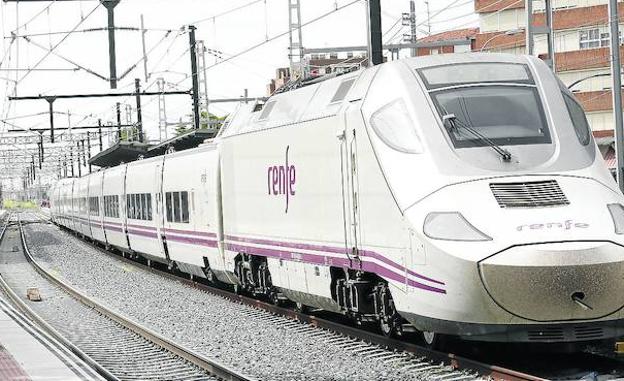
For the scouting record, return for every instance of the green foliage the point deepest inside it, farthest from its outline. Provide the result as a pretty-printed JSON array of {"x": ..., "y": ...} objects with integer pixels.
[
  {"x": 14, "y": 204},
  {"x": 206, "y": 119}
]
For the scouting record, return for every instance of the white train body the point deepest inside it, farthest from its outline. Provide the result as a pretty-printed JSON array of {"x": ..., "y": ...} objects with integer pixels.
[{"x": 335, "y": 192}]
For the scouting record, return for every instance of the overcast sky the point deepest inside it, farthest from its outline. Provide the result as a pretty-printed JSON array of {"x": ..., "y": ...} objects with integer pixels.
[{"x": 230, "y": 33}]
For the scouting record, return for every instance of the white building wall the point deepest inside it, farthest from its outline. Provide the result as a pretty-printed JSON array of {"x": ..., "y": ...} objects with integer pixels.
[
  {"x": 600, "y": 120},
  {"x": 516, "y": 18},
  {"x": 593, "y": 84}
]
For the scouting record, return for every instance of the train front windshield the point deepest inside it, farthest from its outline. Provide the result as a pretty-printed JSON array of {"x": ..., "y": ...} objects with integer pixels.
[{"x": 487, "y": 103}]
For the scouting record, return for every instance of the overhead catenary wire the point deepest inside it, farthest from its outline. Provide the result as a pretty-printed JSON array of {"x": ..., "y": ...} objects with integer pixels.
[{"x": 57, "y": 44}]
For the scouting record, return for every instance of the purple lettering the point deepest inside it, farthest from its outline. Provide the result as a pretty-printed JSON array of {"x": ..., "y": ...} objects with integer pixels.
[
  {"x": 292, "y": 174},
  {"x": 281, "y": 180},
  {"x": 275, "y": 180},
  {"x": 269, "y": 178}
]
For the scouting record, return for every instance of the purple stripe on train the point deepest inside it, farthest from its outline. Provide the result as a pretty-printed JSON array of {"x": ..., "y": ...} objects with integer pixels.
[
  {"x": 192, "y": 241},
  {"x": 331, "y": 249},
  {"x": 141, "y": 233},
  {"x": 331, "y": 261}
]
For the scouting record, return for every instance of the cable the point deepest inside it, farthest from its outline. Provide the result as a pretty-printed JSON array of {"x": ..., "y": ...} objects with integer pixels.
[
  {"x": 247, "y": 50},
  {"x": 35, "y": 16},
  {"x": 56, "y": 46},
  {"x": 225, "y": 12}
]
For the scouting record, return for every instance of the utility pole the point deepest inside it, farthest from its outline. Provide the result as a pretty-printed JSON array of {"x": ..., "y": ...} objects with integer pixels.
[
  {"x": 203, "y": 78},
  {"x": 532, "y": 30},
  {"x": 110, "y": 8},
  {"x": 118, "y": 111},
  {"x": 78, "y": 161},
  {"x": 193, "y": 48},
  {"x": 143, "y": 31},
  {"x": 162, "y": 111},
  {"x": 616, "y": 90},
  {"x": 137, "y": 88},
  {"x": 89, "y": 150},
  {"x": 51, "y": 111},
  {"x": 100, "y": 135},
  {"x": 412, "y": 19},
  {"x": 296, "y": 41},
  {"x": 375, "y": 53},
  {"x": 429, "y": 18}
]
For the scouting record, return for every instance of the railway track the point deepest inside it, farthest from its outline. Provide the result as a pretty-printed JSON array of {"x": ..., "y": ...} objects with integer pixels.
[
  {"x": 368, "y": 345},
  {"x": 118, "y": 347}
]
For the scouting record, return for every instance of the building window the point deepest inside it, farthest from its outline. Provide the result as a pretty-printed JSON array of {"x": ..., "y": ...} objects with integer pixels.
[
  {"x": 592, "y": 38},
  {"x": 139, "y": 206},
  {"x": 177, "y": 207},
  {"x": 596, "y": 38}
]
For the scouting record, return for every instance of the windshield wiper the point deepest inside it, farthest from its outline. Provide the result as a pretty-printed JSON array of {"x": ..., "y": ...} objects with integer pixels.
[{"x": 452, "y": 123}]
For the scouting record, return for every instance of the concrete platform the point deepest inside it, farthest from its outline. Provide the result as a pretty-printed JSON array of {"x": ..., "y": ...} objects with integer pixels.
[{"x": 28, "y": 353}]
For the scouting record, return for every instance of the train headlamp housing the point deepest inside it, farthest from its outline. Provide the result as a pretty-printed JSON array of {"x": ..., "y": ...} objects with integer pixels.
[
  {"x": 452, "y": 226},
  {"x": 617, "y": 214}
]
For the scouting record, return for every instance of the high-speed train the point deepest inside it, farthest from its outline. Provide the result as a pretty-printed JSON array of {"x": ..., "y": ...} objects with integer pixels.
[{"x": 454, "y": 194}]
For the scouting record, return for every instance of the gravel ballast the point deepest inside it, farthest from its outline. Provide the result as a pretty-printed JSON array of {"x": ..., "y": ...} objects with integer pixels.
[{"x": 254, "y": 341}]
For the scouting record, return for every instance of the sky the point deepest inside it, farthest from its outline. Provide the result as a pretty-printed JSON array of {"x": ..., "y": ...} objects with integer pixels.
[{"x": 250, "y": 23}]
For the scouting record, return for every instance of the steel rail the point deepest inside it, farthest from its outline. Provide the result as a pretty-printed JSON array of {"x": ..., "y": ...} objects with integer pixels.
[
  {"x": 211, "y": 366},
  {"x": 47, "y": 328},
  {"x": 494, "y": 372}
]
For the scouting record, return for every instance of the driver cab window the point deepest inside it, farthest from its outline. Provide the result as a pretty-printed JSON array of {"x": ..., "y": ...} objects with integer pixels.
[{"x": 579, "y": 120}]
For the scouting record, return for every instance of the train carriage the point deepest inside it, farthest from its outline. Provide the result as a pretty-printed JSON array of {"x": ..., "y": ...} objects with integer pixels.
[
  {"x": 114, "y": 207},
  {"x": 81, "y": 211},
  {"x": 96, "y": 211},
  {"x": 140, "y": 182},
  {"x": 188, "y": 218}
]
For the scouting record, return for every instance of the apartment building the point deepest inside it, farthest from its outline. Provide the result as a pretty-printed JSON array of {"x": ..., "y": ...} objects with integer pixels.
[{"x": 581, "y": 42}]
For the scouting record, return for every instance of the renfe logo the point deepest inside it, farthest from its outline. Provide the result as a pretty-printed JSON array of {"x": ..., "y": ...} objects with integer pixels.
[
  {"x": 281, "y": 180},
  {"x": 566, "y": 225}
]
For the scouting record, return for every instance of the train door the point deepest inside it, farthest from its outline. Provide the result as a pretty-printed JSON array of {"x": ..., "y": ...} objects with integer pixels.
[
  {"x": 159, "y": 209},
  {"x": 124, "y": 205},
  {"x": 350, "y": 196}
]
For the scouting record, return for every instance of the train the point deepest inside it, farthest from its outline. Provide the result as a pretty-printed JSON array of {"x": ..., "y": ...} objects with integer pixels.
[{"x": 451, "y": 195}]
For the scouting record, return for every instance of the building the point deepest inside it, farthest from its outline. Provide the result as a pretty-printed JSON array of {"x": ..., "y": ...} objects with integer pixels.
[
  {"x": 453, "y": 41},
  {"x": 581, "y": 43}
]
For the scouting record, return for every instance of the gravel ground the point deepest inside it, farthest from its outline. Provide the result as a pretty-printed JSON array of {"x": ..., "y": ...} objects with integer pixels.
[
  {"x": 102, "y": 339},
  {"x": 254, "y": 341}
]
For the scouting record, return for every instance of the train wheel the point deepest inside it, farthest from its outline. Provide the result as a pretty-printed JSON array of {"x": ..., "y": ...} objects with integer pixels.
[
  {"x": 389, "y": 319},
  {"x": 301, "y": 308},
  {"x": 433, "y": 340},
  {"x": 275, "y": 299}
]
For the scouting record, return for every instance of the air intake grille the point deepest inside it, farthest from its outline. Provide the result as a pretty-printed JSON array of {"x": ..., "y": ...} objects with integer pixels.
[
  {"x": 528, "y": 195},
  {"x": 588, "y": 333}
]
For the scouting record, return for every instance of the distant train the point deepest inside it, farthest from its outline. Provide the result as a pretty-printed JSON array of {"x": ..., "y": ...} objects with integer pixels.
[{"x": 454, "y": 194}]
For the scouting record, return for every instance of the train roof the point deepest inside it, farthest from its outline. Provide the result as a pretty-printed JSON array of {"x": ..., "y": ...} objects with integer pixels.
[{"x": 325, "y": 98}]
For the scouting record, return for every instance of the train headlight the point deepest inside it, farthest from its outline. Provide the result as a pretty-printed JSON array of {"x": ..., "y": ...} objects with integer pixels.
[
  {"x": 617, "y": 214},
  {"x": 451, "y": 226}
]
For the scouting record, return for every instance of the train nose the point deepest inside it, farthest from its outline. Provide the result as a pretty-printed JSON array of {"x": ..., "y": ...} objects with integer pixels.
[{"x": 554, "y": 282}]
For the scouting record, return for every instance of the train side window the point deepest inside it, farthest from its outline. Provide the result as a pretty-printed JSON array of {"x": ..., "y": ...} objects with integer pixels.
[
  {"x": 184, "y": 207},
  {"x": 143, "y": 215},
  {"x": 176, "y": 206},
  {"x": 143, "y": 198},
  {"x": 394, "y": 126},
  {"x": 149, "y": 206},
  {"x": 579, "y": 120},
  {"x": 128, "y": 206},
  {"x": 169, "y": 207}
]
